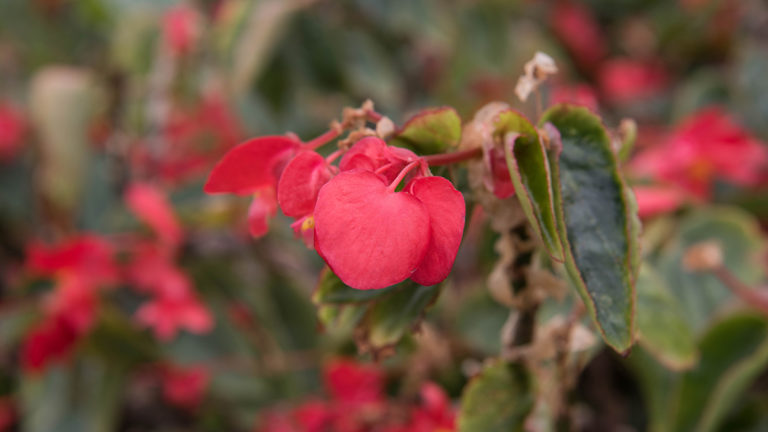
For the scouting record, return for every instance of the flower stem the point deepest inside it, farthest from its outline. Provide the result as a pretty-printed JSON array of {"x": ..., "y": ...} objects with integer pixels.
[
  {"x": 401, "y": 176},
  {"x": 452, "y": 158},
  {"x": 323, "y": 139}
]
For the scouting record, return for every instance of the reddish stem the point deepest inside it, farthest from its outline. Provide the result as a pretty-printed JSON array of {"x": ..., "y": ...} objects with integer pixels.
[
  {"x": 333, "y": 156},
  {"x": 374, "y": 116},
  {"x": 757, "y": 298},
  {"x": 323, "y": 139},
  {"x": 401, "y": 176},
  {"x": 452, "y": 158}
]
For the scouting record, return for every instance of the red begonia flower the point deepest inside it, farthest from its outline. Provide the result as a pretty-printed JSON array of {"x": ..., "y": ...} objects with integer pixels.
[
  {"x": 300, "y": 182},
  {"x": 578, "y": 94},
  {"x": 370, "y": 235},
  {"x": 251, "y": 166},
  {"x": 435, "y": 412},
  {"x": 88, "y": 255},
  {"x": 352, "y": 382},
  {"x": 12, "y": 129},
  {"x": 167, "y": 315},
  {"x": 656, "y": 200},
  {"x": 152, "y": 271},
  {"x": 184, "y": 387},
  {"x": 373, "y": 154},
  {"x": 49, "y": 341},
  {"x": 445, "y": 206},
  {"x": 151, "y": 206},
  {"x": 706, "y": 146},
  {"x": 627, "y": 80},
  {"x": 262, "y": 209},
  {"x": 181, "y": 28},
  {"x": 577, "y": 28}
]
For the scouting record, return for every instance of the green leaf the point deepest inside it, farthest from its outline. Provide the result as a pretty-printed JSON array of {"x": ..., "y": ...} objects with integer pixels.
[
  {"x": 430, "y": 131},
  {"x": 597, "y": 221},
  {"x": 497, "y": 400},
  {"x": 662, "y": 330},
  {"x": 702, "y": 295},
  {"x": 529, "y": 170},
  {"x": 378, "y": 318},
  {"x": 390, "y": 318},
  {"x": 331, "y": 289},
  {"x": 734, "y": 352}
]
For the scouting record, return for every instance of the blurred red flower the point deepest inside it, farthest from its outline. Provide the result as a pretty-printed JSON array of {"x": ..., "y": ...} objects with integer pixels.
[
  {"x": 708, "y": 145},
  {"x": 12, "y": 129},
  {"x": 184, "y": 387}
]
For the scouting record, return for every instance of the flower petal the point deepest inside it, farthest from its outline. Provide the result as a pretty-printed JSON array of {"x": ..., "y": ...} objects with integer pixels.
[
  {"x": 262, "y": 209},
  {"x": 446, "y": 209},
  {"x": 370, "y": 237},
  {"x": 151, "y": 206},
  {"x": 302, "y": 178},
  {"x": 251, "y": 166}
]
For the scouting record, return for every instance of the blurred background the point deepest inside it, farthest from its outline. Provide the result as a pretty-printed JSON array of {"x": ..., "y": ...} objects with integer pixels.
[{"x": 131, "y": 301}]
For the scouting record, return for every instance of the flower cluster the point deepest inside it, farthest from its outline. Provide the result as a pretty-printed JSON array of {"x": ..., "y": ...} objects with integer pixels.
[
  {"x": 707, "y": 146},
  {"x": 377, "y": 218},
  {"x": 357, "y": 403},
  {"x": 84, "y": 265}
]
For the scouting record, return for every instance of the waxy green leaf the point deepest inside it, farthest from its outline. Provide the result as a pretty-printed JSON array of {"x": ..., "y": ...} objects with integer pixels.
[
  {"x": 661, "y": 326},
  {"x": 702, "y": 294},
  {"x": 597, "y": 221},
  {"x": 734, "y": 352},
  {"x": 379, "y": 318},
  {"x": 497, "y": 400},
  {"x": 530, "y": 173},
  {"x": 430, "y": 131}
]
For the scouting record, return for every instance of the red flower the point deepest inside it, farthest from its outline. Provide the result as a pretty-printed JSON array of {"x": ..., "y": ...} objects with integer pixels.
[
  {"x": 12, "y": 128},
  {"x": 166, "y": 315},
  {"x": 254, "y": 167},
  {"x": 151, "y": 206},
  {"x": 578, "y": 94},
  {"x": 354, "y": 383},
  {"x": 656, "y": 200},
  {"x": 88, "y": 255},
  {"x": 49, "y": 341},
  {"x": 7, "y": 414},
  {"x": 707, "y": 145},
  {"x": 575, "y": 26},
  {"x": 626, "y": 80},
  {"x": 184, "y": 387},
  {"x": 181, "y": 28}
]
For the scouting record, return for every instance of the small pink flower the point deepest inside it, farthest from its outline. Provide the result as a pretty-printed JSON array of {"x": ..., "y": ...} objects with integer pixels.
[
  {"x": 167, "y": 315},
  {"x": 355, "y": 383},
  {"x": 12, "y": 130},
  {"x": 181, "y": 29},
  {"x": 657, "y": 200},
  {"x": 577, "y": 28},
  {"x": 578, "y": 94},
  {"x": 626, "y": 80},
  {"x": 708, "y": 145},
  {"x": 151, "y": 206},
  {"x": 184, "y": 387}
]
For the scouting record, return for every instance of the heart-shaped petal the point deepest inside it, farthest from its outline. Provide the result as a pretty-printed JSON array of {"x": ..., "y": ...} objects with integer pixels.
[
  {"x": 302, "y": 178},
  {"x": 370, "y": 236},
  {"x": 251, "y": 165},
  {"x": 446, "y": 209}
]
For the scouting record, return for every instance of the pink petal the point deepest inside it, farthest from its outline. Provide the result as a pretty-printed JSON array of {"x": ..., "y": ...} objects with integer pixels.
[
  {"x": 369, "y": 236},
  {"x": 374, "y": 149},
  {"x": 151, "y": 206},
  {"x": 302, "y": 178},
  {"x": 446, "y": 209},
  {"x": 655, "y": 200},
  {"x": 251, "y": 166},
  {"x": 262, "y": 209}
]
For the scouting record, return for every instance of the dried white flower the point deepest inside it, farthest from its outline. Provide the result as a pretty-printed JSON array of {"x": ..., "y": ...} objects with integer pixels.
[{"x": 537, "y": 70}]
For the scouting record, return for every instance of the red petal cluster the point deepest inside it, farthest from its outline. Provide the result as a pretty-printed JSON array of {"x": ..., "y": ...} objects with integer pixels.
[
  {"x": 707, "y": 146},
  {"x": 12, "y": 129},
  {"x": 357, "y": 403},
  {"x": 80, "y": 267},
  {"x": 370, "y": 233}
]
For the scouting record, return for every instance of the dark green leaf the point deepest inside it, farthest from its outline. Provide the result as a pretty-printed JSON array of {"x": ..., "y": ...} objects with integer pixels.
[
  {"x": 529, "y": 169},
  {"x": 597, "y": 220},
  {"x": 700, "y": 294},
  {"x": 497, "y": 400},
  {"x": 733, "y": 353},
  {"x": 331, "y": 289},
  {"x": 390, "y": 318},
  {"x": 430, "y": 131},
  {"x": 661, "y": 327}
]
